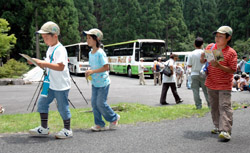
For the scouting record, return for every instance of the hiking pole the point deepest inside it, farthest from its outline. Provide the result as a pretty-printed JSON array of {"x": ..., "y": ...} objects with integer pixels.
[
  {"x": 44, "y": 74},
  {"x": 37, "y": 98},
  {"x": 35, "y": 92},
  {"x": 72, "y": 104},
  {"x": 79, "y": 89}
]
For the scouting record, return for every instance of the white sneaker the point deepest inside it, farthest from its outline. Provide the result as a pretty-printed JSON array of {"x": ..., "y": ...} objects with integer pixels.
[
  {"x": 64, "y": 133},
  {"x": 114, "y": 125},
  {"x": 1, "y": 110},
  {"x": 39, "y": 131},
  {"x": 215, "y": 131},
  {"x": 225, "y": 135},
  {"x": 97, "y": 128}
]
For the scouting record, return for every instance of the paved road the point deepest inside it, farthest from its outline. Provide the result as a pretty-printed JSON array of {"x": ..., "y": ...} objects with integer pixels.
[
  {"x": 190, "y": 135},
  {"x": 16, "y": 98}
]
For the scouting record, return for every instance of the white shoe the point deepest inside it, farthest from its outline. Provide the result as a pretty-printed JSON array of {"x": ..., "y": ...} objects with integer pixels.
[
  {"x": 114, "y": 125},
  {"x": 225, "y": 135},
  {"x": 39, "y": 131},
  {"x": 64, "y": 133},
  {"x": 215, "y": 131},
  {"x": 1, "y": 110},
  {"x": 97, "y": 128}
]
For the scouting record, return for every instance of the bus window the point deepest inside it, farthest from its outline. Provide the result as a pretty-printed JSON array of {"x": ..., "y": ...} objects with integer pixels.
[{"x": 150, "y": 51}]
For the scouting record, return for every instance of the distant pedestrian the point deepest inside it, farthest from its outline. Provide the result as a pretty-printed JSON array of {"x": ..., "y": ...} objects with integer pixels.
[
  {"x": 179, "y": 75},
  {"x": 161, "y": 66},
  {"x": 141, "y": 72},
  {"x": 219, "y": 83},
  {"x": 100, "y": 82},
  {"x": 241, "y": 65},
  {"x": 188, "y": 78},
  {"x": 243, "y": 83},
  {"x": 56, "y": 63},
  {"x": 197, "y": 80},
  {"x": 247, "y": 67},
  {"x": 170, "y": 81},
  {"x": 157, "y": 72}
]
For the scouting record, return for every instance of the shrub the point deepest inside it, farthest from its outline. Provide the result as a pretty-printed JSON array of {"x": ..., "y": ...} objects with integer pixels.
[{"x": 13, "y": 68}]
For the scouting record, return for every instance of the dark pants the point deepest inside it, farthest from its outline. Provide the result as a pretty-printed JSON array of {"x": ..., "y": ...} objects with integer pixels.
[{"x": 164, "y": 91}]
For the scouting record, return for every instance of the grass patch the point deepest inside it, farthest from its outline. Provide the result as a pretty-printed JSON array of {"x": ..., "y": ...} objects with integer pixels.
[{"x": 83, "y": 118}]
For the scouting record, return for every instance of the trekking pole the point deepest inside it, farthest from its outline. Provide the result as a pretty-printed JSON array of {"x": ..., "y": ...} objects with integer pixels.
[
  {"x": 35, "y": 92},
  {"x": 72, "y": 104},
  {"x": 37, "y": 98},
  {"x": 78, "y": 89}
]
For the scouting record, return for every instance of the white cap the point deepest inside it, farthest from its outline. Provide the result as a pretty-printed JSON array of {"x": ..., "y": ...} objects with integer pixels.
[
  {"x": 49, "y": 27},
  {"x": 95, "y": 32}
]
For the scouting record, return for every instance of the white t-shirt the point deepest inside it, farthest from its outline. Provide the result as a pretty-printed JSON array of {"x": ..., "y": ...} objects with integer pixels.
[
  {"x": 59, "y": 80},
  {"x": 194, "y": 61},
  {"x": 140, "y": 67},
  {"x": 172, "y": 78}
]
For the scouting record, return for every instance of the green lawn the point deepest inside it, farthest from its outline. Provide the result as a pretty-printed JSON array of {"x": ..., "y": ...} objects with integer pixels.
[{"x": 83, "y": 118}]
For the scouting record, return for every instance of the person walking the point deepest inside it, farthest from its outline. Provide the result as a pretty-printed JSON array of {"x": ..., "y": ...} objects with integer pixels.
[
  {"x": 247, "y": 66},
  {"x": 179, "y": 75},
  {"x": 157, "y": 72},
  {"x": 197, "y": 80},
  {"x": 219, "y": 83},
  {"x": 100, "y": 82},
  {"x": 141, "y": 72},
  {"x": 241, "y": 65},
  {"x": 170, "y": 81},
  {"x": 56, "y": 63}
]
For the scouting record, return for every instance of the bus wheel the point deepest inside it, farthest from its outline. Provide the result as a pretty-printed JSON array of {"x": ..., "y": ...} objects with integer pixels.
[{"x": 129, "y": 72}]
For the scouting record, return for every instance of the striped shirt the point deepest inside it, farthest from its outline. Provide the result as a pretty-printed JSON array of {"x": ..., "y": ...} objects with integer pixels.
[{"x": 218, "y": 79}]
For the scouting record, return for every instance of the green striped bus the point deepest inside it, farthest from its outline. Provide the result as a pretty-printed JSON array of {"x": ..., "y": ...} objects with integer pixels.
[{"x": 124, "y": 57}]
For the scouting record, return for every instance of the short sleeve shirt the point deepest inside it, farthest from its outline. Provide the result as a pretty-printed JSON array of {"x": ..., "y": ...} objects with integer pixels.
[
  {"x": 194, "y": 61},
  {"x": 218, "y": 79},
  {"x": 59, "y": 80},
  {"x": 172, "y": 78},
  {"x": 96, "y": 61}
]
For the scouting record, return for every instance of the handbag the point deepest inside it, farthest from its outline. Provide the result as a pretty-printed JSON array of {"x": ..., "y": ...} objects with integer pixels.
[{"x": 167, "y": 71}]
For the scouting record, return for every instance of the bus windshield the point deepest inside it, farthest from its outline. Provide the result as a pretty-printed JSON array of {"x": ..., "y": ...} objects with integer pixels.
[
  {"x": 84, "y": 53},
  {"x": 150, "y": 51}
]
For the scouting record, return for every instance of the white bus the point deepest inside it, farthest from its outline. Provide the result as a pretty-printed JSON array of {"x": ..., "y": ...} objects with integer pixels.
[
  {"x": 78, "y": 57},
  {"x": 124, "y": 57},
  {"x": 183, "y": 57}
]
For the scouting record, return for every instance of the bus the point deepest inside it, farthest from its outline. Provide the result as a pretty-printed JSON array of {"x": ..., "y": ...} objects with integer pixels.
[
  {"x": 123, "y": 58},
  {"x": 183, "y": 57},
  {"x": 78, "y": 55}
]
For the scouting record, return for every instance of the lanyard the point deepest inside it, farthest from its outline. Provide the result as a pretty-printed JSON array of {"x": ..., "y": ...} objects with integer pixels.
[{"x": 52, "y": 57}]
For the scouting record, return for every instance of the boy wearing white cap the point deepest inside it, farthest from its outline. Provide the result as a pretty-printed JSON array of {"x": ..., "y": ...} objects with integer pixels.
[
  {"x": 56, "y": 63},
  {"x": 219, "y": 83}
]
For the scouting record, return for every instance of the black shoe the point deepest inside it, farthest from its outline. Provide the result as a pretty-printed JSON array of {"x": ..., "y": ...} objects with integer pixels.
[
  {"x": 179, "y": 101},
  {"x": 164, "y": 103}
]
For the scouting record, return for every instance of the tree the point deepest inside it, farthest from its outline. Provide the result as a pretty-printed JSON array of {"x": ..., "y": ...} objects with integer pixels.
[
  {"x": 6, "y": 41},
  {"x": 151, "y": 21},
  {"x": 86, "y": 17},
  {"x": 21, "y": 15},
  {"x": 120, "y": 20},
  {"x": 242, "y": 48},
  {"x": 175, "y": 27}
]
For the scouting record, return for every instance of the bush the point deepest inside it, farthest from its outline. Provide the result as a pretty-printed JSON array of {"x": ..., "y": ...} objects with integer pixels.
[{"x": 13, "y": 68}]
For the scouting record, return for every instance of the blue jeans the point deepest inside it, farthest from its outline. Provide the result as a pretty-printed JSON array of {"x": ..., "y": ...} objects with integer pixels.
[
  {"x": 100, "y": 106},
  {"x": 62, "y": 103}
]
